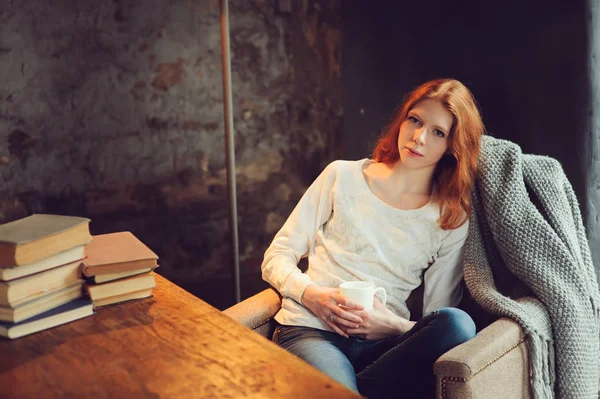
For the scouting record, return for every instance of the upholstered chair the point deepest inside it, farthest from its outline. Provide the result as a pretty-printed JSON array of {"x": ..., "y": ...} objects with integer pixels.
[{"x": 492, "y": 365}]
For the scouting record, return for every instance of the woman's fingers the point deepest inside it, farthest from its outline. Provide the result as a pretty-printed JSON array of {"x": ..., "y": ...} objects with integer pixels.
[
  {"x": 350, "y": 319},
  {"x": 343, "y": 318},
  {"x": 357, "y": 332},
  {"x": 354, "y": 331},
  {"x": 334, "y": 326},
  {"x": 344, "y": 323},
  {"x": 377, "y": 303},
  {"x": 346, "y": 316},
  {"x": 342, "y": 300}
]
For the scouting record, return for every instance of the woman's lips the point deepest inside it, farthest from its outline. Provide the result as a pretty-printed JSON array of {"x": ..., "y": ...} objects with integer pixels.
[{"x": 413, "y": 153}]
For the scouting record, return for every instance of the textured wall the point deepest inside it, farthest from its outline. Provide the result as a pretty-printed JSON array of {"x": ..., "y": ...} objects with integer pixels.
[
  {"x": 113, "y": 110},
  {"x": 593, "y": 154}
]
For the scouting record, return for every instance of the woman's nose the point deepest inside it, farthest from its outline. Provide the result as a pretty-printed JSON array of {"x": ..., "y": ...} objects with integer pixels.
[{"x": 419, "y": 136}]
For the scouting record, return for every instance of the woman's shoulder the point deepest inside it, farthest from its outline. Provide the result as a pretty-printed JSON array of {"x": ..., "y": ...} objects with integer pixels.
[
  {"x": 347, "y": 164},
  {"x": 345, "y": 167}
]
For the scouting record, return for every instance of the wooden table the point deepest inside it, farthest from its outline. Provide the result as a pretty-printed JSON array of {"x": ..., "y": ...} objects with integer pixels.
[{"x": 171, "y": 346}]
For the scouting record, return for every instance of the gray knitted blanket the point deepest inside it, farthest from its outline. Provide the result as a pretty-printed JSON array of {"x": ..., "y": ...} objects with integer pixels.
[{"x": 527, "y": 258}]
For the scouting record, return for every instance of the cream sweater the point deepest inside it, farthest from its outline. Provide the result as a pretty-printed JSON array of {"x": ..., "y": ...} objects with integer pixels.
[{"x": 348, "y": 233}]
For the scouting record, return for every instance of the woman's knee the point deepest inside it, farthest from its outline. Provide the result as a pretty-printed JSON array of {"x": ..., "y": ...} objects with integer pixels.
[
  {"x": 318, "y": 348},
  {"x": 331, "y": 361},
  {"x": 458, "y": 324}
]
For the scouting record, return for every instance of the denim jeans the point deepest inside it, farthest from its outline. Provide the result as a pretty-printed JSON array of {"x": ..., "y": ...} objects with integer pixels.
[{"x": 396, "y": 367}]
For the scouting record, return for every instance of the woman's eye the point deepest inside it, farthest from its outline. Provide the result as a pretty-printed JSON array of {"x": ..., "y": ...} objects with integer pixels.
[
  {"x": 414, "y": 120},
  {"x": 439, "y": 133}
]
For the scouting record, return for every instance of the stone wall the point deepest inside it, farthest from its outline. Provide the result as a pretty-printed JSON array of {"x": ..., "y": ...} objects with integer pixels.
[{"x": 113, "y": 110}]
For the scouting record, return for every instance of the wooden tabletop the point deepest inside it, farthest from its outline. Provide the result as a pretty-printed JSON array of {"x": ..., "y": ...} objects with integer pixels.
[{"x": 171, "y": 346}]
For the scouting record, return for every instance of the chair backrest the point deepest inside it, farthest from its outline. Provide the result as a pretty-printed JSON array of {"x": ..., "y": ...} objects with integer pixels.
[
  {"x": 414, "y": 302},
  {"x": 480, "y": 316}
]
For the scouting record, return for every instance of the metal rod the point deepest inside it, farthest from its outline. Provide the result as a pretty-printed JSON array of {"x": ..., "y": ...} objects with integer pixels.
[{"x": 229, "y": 147}]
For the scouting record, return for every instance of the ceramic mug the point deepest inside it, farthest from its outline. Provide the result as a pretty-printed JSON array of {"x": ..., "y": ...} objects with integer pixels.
[{"x": 362, "y": 292}]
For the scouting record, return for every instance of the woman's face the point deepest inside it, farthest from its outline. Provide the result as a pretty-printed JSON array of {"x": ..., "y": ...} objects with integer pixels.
[{"x": 424, "y": 134}]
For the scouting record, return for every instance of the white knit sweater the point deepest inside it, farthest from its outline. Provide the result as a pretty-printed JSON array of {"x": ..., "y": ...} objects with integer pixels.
[{"x": 348, "y": 233}]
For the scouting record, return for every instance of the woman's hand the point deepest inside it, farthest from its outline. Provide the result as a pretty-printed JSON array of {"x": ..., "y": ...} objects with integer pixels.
[
  {"x": 379, "y": 323},
  {"x": 324, "y": 302}
]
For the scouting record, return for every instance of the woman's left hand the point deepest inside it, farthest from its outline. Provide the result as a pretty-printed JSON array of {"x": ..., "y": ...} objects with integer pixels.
[{"x": 378, "y": 323}]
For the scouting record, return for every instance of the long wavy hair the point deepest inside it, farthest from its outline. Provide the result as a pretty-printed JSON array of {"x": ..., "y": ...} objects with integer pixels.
[{"x": 455, "y": 172}]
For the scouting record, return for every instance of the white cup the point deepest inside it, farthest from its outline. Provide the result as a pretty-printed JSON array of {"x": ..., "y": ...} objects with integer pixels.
[{"x": 362, "y": 292}]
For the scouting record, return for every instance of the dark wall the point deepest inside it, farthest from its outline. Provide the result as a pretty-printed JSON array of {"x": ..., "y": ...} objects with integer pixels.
[
  {"x": 113, "y": 110},
  {"x": 525, "y": 62},
  {"x": 593, "y": 150}
]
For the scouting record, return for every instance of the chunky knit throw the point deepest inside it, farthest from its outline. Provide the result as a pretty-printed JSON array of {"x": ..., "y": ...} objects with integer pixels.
[{"x": 527, "y": 258}]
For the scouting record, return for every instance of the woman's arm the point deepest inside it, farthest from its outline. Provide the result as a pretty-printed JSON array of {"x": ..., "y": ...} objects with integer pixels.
[
  {"x": 295, "y": 240},
  {"x": 297, "y": 236},
  {"x": 443, "y": 279}
]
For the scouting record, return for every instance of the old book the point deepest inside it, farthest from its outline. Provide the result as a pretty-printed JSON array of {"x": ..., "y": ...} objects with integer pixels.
[
  {"x": 130, "y": 296},
  {"x": 15, "y": 292},
  {"x": 41, "y": 304},
  {"x": 59, "y": 259},
  {"x": 103, "y": 278},
  {"x": 39, "y": 236},
  {"x": 65, "y": 313},
  {"x": 120, "y": 287},
  {"x": 117, "y": 252}
]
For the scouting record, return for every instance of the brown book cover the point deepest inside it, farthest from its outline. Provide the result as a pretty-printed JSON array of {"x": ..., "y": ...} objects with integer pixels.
[
  {"x": 104, "y": 278},
  {"x": 38, "y": 236},
  {"x": 117, "y": 252}
]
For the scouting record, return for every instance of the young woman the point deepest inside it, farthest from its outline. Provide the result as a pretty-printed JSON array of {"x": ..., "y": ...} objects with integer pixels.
[{"x": 394, "y": 220}]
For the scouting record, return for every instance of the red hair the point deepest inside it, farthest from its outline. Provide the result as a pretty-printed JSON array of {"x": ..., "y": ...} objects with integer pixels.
[{"x": 455, "y": 173}]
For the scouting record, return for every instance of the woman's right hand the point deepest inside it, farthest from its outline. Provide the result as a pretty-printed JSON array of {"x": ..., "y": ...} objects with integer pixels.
[{"x": 325, "y": 303}]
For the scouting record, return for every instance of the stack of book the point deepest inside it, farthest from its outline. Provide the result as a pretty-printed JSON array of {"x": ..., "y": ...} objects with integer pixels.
[
  {"x": 40, "y": 273},
  {"x": 119, "y": 267}
]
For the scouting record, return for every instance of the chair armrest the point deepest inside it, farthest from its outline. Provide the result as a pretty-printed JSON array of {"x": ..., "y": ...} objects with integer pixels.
[
  {"x": 494, "y": 364},
  {"x": 257, "y": 311}
]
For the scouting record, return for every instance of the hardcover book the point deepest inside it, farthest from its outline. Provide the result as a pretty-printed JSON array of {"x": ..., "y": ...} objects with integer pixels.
[
  {"x": 16, "y": 292},
  {"x": 62, "y": 258},
  {"x": 104, "y": 278},
  {"x": 38, "y": 236},
  {"x": 117, "y": 252},
  {"x": 120, "y": 287},
  {"x": 65, "y": 313},
  {"x": 130, "y": 296},
  {"x": 41, "y": 304}
]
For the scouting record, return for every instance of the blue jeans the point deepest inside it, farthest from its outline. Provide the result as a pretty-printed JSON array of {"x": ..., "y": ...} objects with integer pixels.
[{"x": 397, "y": 367}]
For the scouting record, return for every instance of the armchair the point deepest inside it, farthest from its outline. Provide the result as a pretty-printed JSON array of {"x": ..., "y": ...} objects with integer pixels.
[{"x": 492, "y": 365}]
